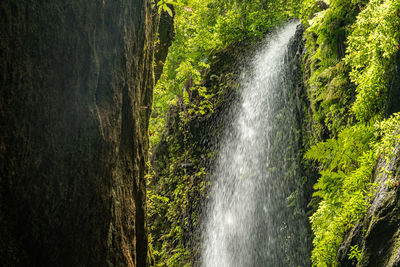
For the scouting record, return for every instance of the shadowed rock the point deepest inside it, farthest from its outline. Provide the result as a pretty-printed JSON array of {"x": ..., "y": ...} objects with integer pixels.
[{"x": 73, "y": 139}]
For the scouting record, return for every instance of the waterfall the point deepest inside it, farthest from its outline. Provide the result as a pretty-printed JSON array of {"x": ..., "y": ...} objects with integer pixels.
[{"x": 249, "y": 221}]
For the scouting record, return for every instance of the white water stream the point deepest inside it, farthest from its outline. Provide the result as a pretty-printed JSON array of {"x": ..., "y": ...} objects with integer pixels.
[{"x": 249, "y": 222}]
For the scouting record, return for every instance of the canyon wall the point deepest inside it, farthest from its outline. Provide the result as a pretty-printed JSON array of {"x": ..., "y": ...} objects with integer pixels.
[{"x": 76, "y": 93}]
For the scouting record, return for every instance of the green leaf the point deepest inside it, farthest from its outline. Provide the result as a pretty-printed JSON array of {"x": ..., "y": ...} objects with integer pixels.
[{"x": 169, "y": 11}]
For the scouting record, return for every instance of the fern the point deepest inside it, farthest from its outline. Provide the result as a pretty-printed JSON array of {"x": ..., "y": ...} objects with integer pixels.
[{"x": 346, "y": 165}]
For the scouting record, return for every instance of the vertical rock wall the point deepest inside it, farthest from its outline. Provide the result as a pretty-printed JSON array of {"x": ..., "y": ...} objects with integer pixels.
[{"x": 76, "y": 91}]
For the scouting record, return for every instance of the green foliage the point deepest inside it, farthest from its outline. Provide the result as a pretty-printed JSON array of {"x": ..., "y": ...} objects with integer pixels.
[
  {"x": 346, "y": 170},
  {"x": 329, "y": 89},
  {"x": 173, "y": 194},
  {"x": 351, "y": 46},
  {"x": 357, "y": 80},
  {"x": 163, "y": 6},
  {"x": 372, "y": 46},
  {"x": 388, "y": 131},
  {"x": 345, "y": 186},
  {"x": 355, "y": 253}
]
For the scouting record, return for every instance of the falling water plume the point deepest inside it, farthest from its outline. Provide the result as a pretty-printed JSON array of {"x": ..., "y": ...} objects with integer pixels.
[{"x": 249, "y": 221}]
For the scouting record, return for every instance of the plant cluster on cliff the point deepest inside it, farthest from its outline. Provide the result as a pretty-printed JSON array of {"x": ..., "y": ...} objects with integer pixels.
[{"x": 349, "y": 67}]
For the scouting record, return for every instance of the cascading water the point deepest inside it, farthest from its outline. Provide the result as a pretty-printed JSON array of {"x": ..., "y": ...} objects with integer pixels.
[{"x": 249, "y": 222}]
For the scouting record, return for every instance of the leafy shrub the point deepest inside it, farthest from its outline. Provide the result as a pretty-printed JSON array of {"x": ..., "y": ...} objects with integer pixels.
[
  {"x": 372, "y": 45},
  {"x": 346, "y": 170}
]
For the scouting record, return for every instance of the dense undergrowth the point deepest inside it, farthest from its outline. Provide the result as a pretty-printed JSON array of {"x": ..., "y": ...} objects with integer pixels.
[{"x": 349, "y": 65}]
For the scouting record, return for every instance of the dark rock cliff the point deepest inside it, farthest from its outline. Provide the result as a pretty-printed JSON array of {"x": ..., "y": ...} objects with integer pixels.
[{"x": 76, "y": 93}]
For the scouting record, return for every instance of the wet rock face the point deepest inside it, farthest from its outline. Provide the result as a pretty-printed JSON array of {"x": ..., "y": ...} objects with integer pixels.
[
  {"x": 377, "y": 235},
  {"x": 76, "y": 92}
]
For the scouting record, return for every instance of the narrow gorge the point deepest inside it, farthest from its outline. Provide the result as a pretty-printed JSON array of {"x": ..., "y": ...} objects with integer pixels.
[{"x": 204, "y": 133}]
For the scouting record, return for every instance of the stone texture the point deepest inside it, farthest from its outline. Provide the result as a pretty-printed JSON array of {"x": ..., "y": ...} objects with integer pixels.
[
  {"x": 166, "y": 34},
  {"x": 76, "y": 93}
]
